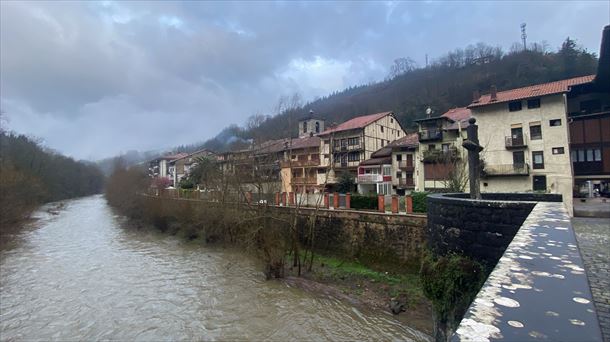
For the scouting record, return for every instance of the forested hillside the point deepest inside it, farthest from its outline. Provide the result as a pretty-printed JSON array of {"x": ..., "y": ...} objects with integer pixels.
[
  {"x": 31, "y": 175},
  {"x": 448, "y": 82}
]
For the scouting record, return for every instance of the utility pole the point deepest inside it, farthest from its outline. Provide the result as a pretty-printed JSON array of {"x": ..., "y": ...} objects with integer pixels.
[{"x": 524, "y": 36}]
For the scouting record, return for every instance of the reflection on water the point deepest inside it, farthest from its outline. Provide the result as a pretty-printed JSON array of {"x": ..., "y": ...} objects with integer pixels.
[{"x": 79, "y": 275}]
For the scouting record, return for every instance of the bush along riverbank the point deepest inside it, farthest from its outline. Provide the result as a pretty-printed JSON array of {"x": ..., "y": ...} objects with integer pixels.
[{"x": 292, "y": 246}]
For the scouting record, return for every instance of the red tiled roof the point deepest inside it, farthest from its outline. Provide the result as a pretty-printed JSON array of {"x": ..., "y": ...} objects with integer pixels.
[
  {"x": 173, "y": 156},
  {"x": 460, "y": 117},
  {"x": 306, "y": 142},
  {"x": 557, "y": 87},
  {"x": 409, "y": 140},
  {"x": 355, "y": 123}
]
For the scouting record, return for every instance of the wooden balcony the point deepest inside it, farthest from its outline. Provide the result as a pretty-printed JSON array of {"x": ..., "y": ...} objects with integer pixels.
[
  {"x": 515, "y": 142},
  {"x": 506, "y": 170},
  {"x": 347, "y": 148},
  {"x": 300, "y": 163},
  {"x": 403, "y": 165},
  {"x": 430, "y": 134},
  {"x": 404, "y": 183},
  {"x": 440, "y": 156}
]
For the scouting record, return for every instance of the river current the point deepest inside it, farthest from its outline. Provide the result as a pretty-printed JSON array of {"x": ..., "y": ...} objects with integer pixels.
[{"x": 78, "y": 274}]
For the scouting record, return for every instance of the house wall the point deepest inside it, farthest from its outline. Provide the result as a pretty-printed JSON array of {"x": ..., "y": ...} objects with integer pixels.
[
  {"x": 396, "y": 168},
  {"x": 374, "y": 136},
  {"x": 495, "y": 124}
]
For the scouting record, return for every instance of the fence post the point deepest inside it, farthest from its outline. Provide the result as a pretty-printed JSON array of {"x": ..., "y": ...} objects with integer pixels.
[
  {"x": 394, "y": 204},
  {"x": 284, "y": 198},
  {"x": 249, "y": 197},
  {"x": 291, "y": 198},
  {"x": 335, "y": 200},
  {"x": 348, "y": 200},
  {"x": 326, "y": 200},
  {"x": 409, "y": 204},
  {"x": 381, "y": 203},
  {"x": 277, "y": 198}
]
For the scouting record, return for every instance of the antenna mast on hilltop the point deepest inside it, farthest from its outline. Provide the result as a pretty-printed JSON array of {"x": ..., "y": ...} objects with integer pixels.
[{"x": 524, "y": 36}]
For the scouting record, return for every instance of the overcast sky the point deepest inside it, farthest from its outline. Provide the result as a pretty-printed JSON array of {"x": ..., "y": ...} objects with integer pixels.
[{"x": 94, "y": 79}]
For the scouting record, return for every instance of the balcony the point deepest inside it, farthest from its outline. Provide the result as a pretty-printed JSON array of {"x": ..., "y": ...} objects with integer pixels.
[
  {"x": 347, "y": 164},
  {"x": 515, "y": 142},
  {"x": 369, "y": 178},
  {"x": 406, "y": 183},
  {"x": 304, "y": 180},
  {"x": 430, "y": 134},
  {"x": 347, "y": 148},
  {"x": 300, "y": 163},
  {"x": 506, "y": 170},
  {"x": 440, "y": 156},
  {"x": 402, "y": 164}
]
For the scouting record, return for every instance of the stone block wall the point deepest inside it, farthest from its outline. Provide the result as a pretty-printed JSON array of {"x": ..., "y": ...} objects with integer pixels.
[{"x": 480, "y": 229}]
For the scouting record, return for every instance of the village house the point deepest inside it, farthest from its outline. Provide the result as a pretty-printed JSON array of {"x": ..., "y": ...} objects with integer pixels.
[
  {"x": 588, "y": 108},
  {"x": 161, "y": 167},
  {"x": 526, "y": 138},
  {"x": 390, "y": 169},
  {"x": 440, "y": 153},
  {"x": 181, "y": 166},
  {"x": 345, "y": 146},
  {"x": 301, "y": 164}
]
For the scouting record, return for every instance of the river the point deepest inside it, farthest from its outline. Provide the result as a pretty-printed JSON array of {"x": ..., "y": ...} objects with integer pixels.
[{"x": 79, "y": 275}]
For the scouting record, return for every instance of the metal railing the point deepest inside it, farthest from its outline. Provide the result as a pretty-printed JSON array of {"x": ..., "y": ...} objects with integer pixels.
[
  {"x": 403, "y": 164},
  {"x": 515, "y": 141},
  {"x": 369, "y": 178}
]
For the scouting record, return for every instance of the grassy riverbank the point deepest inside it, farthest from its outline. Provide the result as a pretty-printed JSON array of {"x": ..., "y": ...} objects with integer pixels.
[{"x": 371, "y": 286}]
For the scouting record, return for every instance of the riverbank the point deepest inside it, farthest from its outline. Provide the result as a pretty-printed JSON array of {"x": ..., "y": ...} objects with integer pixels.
[{"x": 361, "y": 285}]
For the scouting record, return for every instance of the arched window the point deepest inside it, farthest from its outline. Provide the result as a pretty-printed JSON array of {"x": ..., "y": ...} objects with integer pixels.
[{"x": 317, "y": 127}]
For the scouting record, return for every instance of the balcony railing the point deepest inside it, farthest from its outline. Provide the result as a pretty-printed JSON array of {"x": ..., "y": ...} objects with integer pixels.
[
  {"x": 440, "y": 156},
  {"x": 507, "y": 170},
  {"x": 403, "y": 164},
  {"x": 300, "y": 163},
  {"x": 406, "y": 183},
  {"x": 430, "y": 134},
  {"x": 345, "y": 148},
  {"x": 304, "y": 180},
  {"x": 369, "y": 178},
  {"x": 347, "y": 164},
  {"x": 515, "y": 142}
]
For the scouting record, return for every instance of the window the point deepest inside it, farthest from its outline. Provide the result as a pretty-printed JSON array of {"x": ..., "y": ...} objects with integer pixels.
[
  {"x": 304, "y": 127},
  {"x": 317, "y": 127},
  {"x": 533, "y": 103},
  {"x": 381, "y": 127},
  {"x": 589, "y": 155},
  {"x": 538, "y": 158},
  {"x": 597, "y": 153},
  {"x": 558, "y": 150},
  {"x": 445, "y": 147},
  {"x": 353, "y": 141},
  {"x": 431, "y": 147},
  {"x": 398, "y": 174},
  {"x": 353, "y": 156},
  {"x": 536, "y": 132},
  {"x": 519, "y": 158},
  {"x": 555, "y": 122},
  {"x": 398, "y": 157},
  {"x": 581, "y": 156},
  {"x": 539, "y": 183},
  {"x": 391, "y": 120},
  {"x": 387, "y": 170},
  {"x": 514, "y": 106},
  {"x": 382, "y": 142},
  {"x": 574, "y": 156}
]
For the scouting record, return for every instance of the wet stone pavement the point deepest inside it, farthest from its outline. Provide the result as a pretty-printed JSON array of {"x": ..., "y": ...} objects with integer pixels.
[{"x": 593, "y": 235}]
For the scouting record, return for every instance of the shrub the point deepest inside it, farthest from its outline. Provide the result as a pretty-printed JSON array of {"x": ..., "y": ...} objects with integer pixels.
[
  {"x": 186, "y": 184},
  {"x": 364, "y": 202},
  {"x": 420, "y": 204},
  {"x": 451, "y": 282}
]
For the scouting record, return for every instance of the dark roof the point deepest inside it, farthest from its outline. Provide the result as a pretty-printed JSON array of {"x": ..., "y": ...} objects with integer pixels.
[
  {"x": 536, "y": 90},
  {"x": 377, "y": 161},
  {"x": 356, "y": 123},
  {"x": 306, "y": 142},
  {"x": 459, "y": 116},
  {"x": 408, "y": 141}
]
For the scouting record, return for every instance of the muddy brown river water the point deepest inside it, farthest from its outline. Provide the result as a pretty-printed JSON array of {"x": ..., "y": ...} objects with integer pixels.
[{"x": 79, "y": 275}]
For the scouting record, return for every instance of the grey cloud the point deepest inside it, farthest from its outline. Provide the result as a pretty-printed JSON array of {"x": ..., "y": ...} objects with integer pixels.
[{"x": 94, "y": 79}]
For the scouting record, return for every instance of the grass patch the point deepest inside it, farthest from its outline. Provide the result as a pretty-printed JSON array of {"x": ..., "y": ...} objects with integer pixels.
[{"x": 355, "y": 275}]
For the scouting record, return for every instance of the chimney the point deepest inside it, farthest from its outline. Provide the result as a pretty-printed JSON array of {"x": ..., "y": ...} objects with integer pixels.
[
  {"x": 493, "y": 93},
  {"x": 476, "y": 96}
]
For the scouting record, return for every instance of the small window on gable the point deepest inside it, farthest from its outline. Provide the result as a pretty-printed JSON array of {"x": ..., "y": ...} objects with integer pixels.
[
  {"x": 514, "y": 106},
  {"x": 391, "y": 120},
  {"x": 533, "y": 103},
  {"x": 555, "y": 122}
]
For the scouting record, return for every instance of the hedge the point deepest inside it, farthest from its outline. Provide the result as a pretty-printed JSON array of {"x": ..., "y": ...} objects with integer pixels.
[{"x": 364, "y": 202}]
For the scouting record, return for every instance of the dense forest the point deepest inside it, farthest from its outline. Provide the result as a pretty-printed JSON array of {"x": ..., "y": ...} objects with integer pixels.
[
  {"x": 31, "y": 175},
  {"x": 408, "y": 90}
]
